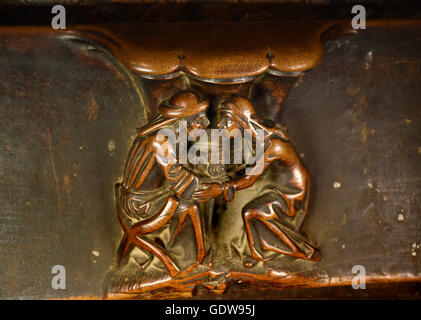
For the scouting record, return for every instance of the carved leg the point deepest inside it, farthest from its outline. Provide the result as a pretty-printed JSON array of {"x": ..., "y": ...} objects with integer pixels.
[
  {"x": 264, "y": 217},
  {"x": 180, "y": 223},
  {"x": 248, "y": 215},
  {"x": 123, "y": 248},
  {"x": 197, "y": 225},
  {"x": 158, "y": 252},
  {"x": 295, "y": 251},
  {"x": 194, "y": 214},
  {"x": 133, "y": 235}
]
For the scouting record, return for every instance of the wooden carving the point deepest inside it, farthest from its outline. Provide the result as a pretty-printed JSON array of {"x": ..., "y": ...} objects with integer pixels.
[
  {"x": 159, "y": 194},
  {"x": 154, "y": 190},
  {"x": 283, "y": 204},
  {"x": 207, "y": 223}
]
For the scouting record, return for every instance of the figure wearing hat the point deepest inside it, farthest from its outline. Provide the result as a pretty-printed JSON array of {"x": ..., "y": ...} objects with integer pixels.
[
  {"x": 156, "y": 186},
  {"x": 282, "y": 205}
]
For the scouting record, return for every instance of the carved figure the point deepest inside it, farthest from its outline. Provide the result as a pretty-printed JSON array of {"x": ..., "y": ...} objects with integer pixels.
[
  {"x": 156, "y": 187},
  {"x": 282, "y": 205}
]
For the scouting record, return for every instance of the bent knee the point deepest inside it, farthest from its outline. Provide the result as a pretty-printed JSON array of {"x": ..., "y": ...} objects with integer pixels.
[{"x": 249, "y": 213}]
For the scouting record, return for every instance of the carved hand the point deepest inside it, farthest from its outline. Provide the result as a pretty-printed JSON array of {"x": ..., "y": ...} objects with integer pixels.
[{"x": 212, "y": 190}]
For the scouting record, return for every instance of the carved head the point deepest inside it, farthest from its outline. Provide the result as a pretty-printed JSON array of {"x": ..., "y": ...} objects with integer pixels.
[
  {"x": 183, "y": 104},
  {"x": 235, "y": 113},
  {"x": 187, "y": 105}
]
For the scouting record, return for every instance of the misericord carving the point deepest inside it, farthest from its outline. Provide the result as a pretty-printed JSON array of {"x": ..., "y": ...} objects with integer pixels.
[{"x": 167, "y": 206}]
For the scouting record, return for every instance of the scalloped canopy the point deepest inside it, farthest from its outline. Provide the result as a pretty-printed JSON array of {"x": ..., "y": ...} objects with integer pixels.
[{"x": 213, "y": 50}]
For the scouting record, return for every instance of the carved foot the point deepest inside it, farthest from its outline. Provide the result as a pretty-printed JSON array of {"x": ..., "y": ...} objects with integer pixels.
[
  {"x": 254, "y": 258},
  {"x": 314, "y": 256}
]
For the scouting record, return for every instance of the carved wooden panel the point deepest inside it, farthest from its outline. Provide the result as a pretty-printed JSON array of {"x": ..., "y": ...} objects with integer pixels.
[{"x": 90, "y": 183}]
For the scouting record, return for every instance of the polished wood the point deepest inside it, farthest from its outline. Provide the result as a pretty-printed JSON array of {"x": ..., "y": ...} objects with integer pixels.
[
  {"x": 213, "y": 51},
  {"x": 340, "y": 116},
  {"x": 147, "y": 200}
]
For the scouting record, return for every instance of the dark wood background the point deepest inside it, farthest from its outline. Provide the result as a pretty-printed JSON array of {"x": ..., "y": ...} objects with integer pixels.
[{"x": 67, "y": 117}]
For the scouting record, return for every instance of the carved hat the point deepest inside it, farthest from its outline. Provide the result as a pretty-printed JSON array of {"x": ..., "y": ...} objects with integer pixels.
[
  {"x": 241, "y": 109},
  {"x": 180, "y": 105},
  {"x": 183, "y": 104}
]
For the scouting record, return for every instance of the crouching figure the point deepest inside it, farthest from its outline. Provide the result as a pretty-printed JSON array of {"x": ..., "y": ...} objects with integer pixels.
[
  {"x": 156, "y": 187},
  {"x": 282, "y": 205}
]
